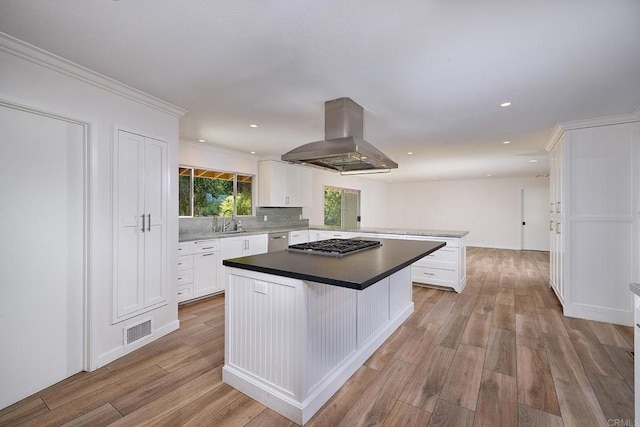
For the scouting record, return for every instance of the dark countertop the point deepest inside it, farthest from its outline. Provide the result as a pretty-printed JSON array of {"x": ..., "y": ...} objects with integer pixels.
[{"x": 355, "y": 271}]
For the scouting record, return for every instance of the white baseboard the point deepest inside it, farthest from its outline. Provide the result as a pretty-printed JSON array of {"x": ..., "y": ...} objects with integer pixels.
[{"x": 618, "y": 317}]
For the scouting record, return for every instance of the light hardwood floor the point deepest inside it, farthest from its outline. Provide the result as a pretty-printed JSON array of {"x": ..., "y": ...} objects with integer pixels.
[{"x": 500, "y": 353}]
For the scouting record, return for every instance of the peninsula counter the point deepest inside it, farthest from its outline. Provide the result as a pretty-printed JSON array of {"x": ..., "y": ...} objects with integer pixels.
[{"x": 297, "y": 325}]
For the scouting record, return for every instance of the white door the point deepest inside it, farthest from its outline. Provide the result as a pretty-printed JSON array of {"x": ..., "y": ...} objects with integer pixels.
[
  {"x": 535, "y": 218},
  {"x": 42, "y": 253}
]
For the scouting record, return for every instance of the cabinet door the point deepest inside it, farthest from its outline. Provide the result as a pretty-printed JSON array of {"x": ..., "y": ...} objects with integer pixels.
[
  {"x": 205, "y": 274},
  {"x": 255, "y": 245},
  {"x": 292, "y": 187},
  {"x": 271, "y": 183},
  {"x": 155, "y": 211},
  {"x": 299, "y": 236},
  {"x": 129, "y": 234}
]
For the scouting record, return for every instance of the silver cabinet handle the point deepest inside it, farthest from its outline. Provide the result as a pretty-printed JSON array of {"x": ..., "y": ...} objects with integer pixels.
[
  {"x": 558, "y": 205},
  {"x": 142, "y": 229},
  {"x": 551, "y": 211},
  {"x": 557, "y": 228},
  {"x": 210, "y": 247},
  {"x": 209, "y": 254},
  {"x": 149, "y": 225},
  {"x": 430, "y": 274},
  {"x": 550, "y": 225},
  {"x": 286, "y": 200}
]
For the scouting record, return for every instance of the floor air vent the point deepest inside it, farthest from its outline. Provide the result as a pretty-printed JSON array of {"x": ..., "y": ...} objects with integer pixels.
[{"x": 137, "y": 332}]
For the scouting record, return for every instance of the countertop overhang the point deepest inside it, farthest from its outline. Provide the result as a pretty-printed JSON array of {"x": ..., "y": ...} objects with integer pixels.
[{"x": 356, "y": 271}]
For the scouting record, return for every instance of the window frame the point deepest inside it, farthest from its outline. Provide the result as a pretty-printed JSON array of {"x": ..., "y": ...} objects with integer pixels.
[{"x": 235, "y": 189}]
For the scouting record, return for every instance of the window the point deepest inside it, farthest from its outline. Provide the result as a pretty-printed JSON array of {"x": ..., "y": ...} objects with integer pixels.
[
  {"x": 204, "y": 192},
  {"x": 341, "y": 207}
]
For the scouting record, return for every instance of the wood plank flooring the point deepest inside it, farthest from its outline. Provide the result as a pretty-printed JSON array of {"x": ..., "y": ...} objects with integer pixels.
[{"x": 500, "y": 353}]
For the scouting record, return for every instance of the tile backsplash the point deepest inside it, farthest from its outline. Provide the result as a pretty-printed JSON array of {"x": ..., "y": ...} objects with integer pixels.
[{"x": 275, "y": 218}]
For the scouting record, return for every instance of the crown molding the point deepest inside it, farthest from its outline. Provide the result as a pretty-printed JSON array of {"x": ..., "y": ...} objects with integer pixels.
[
  {"x": 61, "y": 65},
  {"x": 207, "y": 146},
  {"x": 560, "y": 128}
]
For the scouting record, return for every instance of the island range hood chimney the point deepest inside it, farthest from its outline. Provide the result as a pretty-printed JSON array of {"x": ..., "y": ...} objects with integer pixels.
[{"x": 343, "y": 148}]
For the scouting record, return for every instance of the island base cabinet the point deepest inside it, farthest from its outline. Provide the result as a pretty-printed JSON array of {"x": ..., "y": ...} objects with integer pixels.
[{"x": 291, "y": 344}]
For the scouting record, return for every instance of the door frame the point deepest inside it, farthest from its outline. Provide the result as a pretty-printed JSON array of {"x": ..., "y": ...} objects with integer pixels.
[
  {"x": 90, "y": 178},
  {"x": 522, "y": 217}
]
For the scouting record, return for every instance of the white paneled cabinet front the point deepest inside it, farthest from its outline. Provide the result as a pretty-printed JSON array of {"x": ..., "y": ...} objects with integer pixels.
[
  {"x": 283, "y": 185},
  {"x": 235, "y": 247},
  {"x": 140, "y": 208},
  {"x": 206, "y": 260},
  {"x": 593, "y": 180}
]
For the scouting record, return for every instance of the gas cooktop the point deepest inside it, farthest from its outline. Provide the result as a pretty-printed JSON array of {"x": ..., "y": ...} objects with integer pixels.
[{"x": 335, "y": 247}]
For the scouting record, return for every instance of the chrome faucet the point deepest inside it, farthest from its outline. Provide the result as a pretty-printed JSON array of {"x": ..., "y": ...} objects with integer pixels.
[{"x": 224, "y": 224}]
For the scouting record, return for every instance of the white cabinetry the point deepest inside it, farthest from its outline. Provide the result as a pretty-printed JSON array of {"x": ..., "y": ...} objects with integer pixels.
[
  {"x": 206, "y": 258},
  {"x": 593, "y": 180},
  {"x": 324, "y": 235},
  {"x": 556, "y": 218},
  {"x": 235, "y": 247},
  {"x": 298, "y": 236},
  {"x": 283, "y": 185},
  {"x": 445, "y": 267},
  {"x": 185, "y": 271},
  {"x": 140, "y": 194},
  {"x": 636, "y": 350}
]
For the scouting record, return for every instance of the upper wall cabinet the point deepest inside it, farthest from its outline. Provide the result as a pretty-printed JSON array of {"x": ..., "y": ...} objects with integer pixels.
[
  {"x": 283, "y": 185},
  {"x": 140, "y": 232}
]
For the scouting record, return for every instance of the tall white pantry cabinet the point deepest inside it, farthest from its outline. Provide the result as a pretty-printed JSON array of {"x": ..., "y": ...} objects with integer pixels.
[
  {"x": 594, "y": 217},
  {"x": 140, "y": 233}
]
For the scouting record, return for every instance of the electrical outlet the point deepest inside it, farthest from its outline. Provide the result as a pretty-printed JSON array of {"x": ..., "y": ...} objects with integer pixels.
[
  {"x": 260, "y": 287},
  {"x": 265, "y": 218}
]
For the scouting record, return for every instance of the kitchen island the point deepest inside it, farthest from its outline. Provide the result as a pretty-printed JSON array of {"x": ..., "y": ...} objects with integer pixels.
[{"x": 298, "y": 325}]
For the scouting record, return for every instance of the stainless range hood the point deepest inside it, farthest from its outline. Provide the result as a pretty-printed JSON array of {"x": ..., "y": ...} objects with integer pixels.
[{"x": 343, "y": 148}]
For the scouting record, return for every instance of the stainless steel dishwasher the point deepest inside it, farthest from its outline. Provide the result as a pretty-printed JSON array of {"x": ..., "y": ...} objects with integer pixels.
[{"x": 278, "y": 241}]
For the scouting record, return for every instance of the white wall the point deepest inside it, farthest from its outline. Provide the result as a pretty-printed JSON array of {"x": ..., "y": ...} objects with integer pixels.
[
  {"x": 373, "y": 195},
  {"x": 202, "y": 155},
  {"x": 39, "y": 80},
  {"x": 490, "y": 209}
]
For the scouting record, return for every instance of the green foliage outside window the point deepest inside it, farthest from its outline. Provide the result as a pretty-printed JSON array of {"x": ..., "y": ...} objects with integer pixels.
[
  {"x": 332, "y": 207},
  {"x": 213, "y": 193}
]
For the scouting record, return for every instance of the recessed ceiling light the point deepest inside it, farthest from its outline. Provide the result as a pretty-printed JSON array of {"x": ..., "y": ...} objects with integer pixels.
[
  {"x": 506, "y": 142},
  {"x": 488, "y": 174},
  {"x": 533, "y": 161},
  {"x": 253, "y": 125},
  {"x": 253, "y": 152},
  {"x": 410, "y": 152},
  {"x": 505, "y": 104},
  {"x": 202, "y": 140},
  {"x": 434, "y": 178}
]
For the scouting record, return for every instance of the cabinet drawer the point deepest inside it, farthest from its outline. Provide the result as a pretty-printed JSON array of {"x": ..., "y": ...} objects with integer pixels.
[
  {"x": 445, "y": 254},
  {"x": 185, "y": 292},
  {"x": 185, "y": 276},
  {"x": 437, "y": 276},
  {"x": 203, "y": 246},
  {"x": 185, "y": 262},
  {"x": 185, "y": 248}
]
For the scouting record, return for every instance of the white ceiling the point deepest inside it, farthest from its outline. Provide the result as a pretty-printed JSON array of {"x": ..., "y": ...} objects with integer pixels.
[{"x": 429, "y": 74}]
